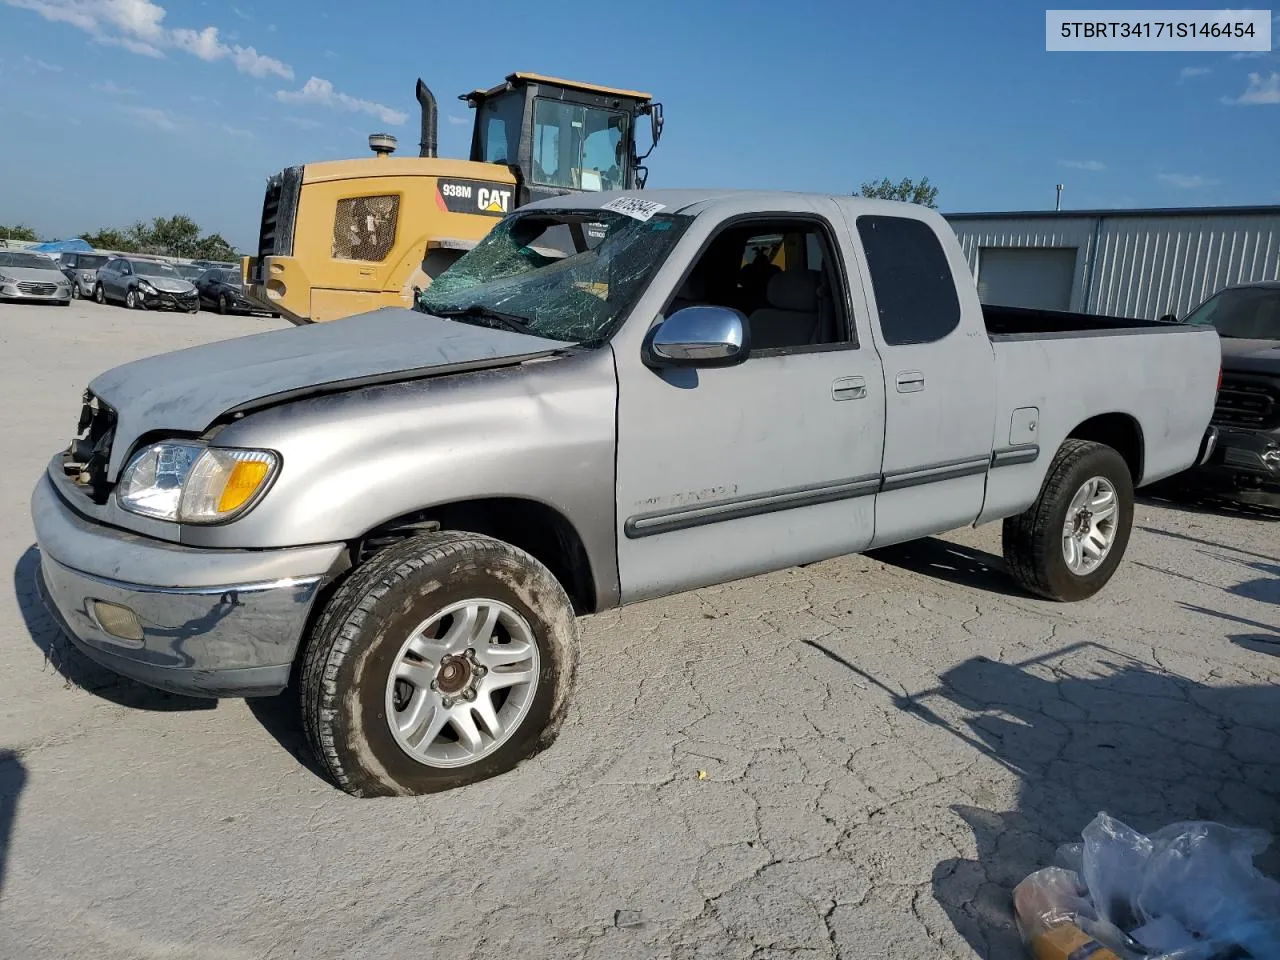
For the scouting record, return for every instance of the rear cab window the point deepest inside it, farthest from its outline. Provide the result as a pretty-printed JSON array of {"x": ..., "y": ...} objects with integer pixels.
[{"x": 915, "y": 290}]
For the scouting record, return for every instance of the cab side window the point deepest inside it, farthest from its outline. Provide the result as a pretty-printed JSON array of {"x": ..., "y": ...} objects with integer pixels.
[
  {"x": 364, "y": 228},
  {"x": 781, "y": 276},
  {"x": 914, "y": 288}
]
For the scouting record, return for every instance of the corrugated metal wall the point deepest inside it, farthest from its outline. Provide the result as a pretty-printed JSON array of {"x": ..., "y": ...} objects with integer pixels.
[{"x": 1146, "y": 266}]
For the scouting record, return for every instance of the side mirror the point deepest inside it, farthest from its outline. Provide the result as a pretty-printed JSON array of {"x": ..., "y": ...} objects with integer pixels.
[
  {"x": 699, "y": 337},
  {"x": 655, "y": 119},
  {"x": 1169, "y": 318}
]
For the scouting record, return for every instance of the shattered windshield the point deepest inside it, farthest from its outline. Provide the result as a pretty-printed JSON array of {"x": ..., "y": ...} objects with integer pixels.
[{"x": 561, "y": 275}]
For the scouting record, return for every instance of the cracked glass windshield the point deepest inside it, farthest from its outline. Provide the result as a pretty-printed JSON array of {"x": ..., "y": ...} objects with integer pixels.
[{"x": 560, "y": 275}]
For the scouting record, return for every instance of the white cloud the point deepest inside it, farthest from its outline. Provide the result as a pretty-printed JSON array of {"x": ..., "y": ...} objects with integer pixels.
[
  {"x": 1261, "y": 90},
  {"x": 250, "y": 61},
  {"x": 112, "y": 89},
  {"x": 303, "y": 123},
  {"x": 138, "y": 26},
  {"x": 42, "y": 65},
  {"x": 1186, "y": 73},
  {"x": 458, "y": 121},
  {"x": 1248, "y": 54},
  {"x": 1091, "y": 165},
  {"x": 237, "y": 131},
  {"x": 321, "y": 92},
  {"x": 1186, "y": 181},
  {"x": 153, "y": 116},
  {"x": 241, "y": 14},
  {"x": 200, "y": 43}
]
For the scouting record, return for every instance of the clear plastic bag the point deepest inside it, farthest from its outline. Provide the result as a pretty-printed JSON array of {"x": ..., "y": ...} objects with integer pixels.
[{"x": 1190, "y": 891}]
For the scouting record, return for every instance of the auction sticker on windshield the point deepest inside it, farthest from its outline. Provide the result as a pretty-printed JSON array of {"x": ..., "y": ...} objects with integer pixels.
[{"x": 634, "y": 207}]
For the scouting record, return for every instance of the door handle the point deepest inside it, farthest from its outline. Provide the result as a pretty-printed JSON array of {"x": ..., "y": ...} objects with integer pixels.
[
  {"x": 910, "y": 381},
  {"x": 849, "y": 388}
]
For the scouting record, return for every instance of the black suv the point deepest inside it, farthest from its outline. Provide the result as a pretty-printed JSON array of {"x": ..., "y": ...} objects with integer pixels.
[{"x": 1245, "y": 461}]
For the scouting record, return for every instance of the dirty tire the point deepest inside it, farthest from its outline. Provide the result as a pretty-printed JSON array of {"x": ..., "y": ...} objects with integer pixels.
[
  {"x": 1033, "y": 539},
  {"x": 359, "y": 634}
]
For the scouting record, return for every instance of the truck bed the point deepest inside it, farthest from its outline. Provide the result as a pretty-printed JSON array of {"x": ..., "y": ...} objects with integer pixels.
[{"x": 1027, "y": 323}]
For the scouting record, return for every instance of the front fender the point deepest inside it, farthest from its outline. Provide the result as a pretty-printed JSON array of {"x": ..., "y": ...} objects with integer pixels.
[{"x": 542, "y": 431}]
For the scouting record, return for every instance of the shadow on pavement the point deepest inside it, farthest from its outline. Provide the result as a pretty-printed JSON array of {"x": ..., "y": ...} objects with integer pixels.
[
  {"x": 1086, "y": 729},
  {"x": 13, "y": 777},
  {"x": 1207, "y": 504},
  {"x": 75, "y": 668},
  {"x": 952, "y": 562},
  {"x": 281, "y": 716}
]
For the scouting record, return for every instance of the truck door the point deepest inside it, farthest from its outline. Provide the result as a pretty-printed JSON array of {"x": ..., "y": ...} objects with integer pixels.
[
  {"x": 727, "y": 472},
  {"x": 938, "y": 375}
]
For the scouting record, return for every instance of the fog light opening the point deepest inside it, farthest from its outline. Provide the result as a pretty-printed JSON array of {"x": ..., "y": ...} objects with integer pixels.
[{"x": 116, "y": 620}]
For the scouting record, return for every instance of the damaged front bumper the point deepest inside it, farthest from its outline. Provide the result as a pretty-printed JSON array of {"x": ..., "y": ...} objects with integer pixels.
[{"x": 209, "y": 623}]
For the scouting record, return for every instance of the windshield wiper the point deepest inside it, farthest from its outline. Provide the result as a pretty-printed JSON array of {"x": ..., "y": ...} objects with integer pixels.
[{"x": 479, "y": 312}]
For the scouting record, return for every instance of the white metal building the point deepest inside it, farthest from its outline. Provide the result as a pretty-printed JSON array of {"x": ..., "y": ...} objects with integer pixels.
[{"x": 1131, "y": 263}]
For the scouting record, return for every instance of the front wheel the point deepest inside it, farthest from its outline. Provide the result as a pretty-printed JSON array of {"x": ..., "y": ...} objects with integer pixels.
[
  {"x": 75, "y": 291},
  {"x": 1068, "y": 544},
  {"x": 223, "y": 307},
  {"x": 446, "y": 659},
  {"x": 131, "y": 300},
  {"x": 99, "y": 295}
]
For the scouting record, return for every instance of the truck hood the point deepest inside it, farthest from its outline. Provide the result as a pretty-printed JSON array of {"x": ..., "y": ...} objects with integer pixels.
[
  {"x": 1251, "y": 356},
  {"x": 187, "y": 390}
]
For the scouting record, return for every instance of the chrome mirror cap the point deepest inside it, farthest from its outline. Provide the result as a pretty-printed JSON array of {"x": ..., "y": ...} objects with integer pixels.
[{"x": 699, "y": 337}]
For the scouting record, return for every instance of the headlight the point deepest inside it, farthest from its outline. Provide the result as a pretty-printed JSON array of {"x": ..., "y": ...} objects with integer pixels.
[
  {"x": 6, "y": 279},
  {"x": 190, "y": 483},
  {"x": 146, "y": 287}
]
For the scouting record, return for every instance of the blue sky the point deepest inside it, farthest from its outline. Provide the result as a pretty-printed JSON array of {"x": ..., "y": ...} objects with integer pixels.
[{"x": 118, "y": 109}]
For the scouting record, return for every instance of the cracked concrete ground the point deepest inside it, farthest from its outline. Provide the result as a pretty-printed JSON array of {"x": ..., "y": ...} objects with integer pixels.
[{"x": 854, "y": 759}]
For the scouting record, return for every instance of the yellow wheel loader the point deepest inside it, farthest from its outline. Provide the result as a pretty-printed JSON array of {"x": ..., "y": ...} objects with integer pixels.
[{"x": 345, "y": 236}]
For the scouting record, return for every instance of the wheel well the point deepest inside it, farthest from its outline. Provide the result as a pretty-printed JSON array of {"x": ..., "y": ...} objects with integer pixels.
[
  {"x": 1119, "y": 431},
  {"x": 539, "y": 530}
]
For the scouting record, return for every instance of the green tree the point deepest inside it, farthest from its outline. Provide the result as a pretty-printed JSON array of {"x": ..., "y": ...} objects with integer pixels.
[
  {"x": 214, "y": 247},
  {"x": 906, "y": 189},
  {"x": 19, "y": 231},
  {"x": 176, "y": 236},
  {"x": 109, "y": 238}
]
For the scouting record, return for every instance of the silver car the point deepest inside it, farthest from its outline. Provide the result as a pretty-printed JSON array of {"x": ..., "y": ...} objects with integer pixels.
[
  {"x": 32, "y": 276},
  {"x": 82, "y": 270}
]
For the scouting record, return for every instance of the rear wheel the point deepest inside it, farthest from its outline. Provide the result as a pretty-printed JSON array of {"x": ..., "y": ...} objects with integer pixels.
[
  {"x": 1068, "y": 544},
  {"x": 446, "y": 659}
]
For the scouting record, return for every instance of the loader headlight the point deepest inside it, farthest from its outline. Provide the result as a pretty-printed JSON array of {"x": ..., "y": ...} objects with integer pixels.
[{"x": 188, "y": 482}]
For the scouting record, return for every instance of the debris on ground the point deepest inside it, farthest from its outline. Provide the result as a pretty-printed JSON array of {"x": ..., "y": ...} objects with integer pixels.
[{"x": 1190, "y": 891}]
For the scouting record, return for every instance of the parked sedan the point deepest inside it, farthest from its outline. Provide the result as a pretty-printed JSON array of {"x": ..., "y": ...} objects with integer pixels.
[
  {"x": 144, "y": 284},
  {"x": 222, "y": 289},
  {"x": 81, "y": 269},
  {"x": 32, "y": 276}
]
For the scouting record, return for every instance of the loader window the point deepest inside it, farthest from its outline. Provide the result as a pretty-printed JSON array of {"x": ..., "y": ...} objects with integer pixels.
[
  {"x": 364, "y": 228},
  {"x": 577, "y": 147},
  {"x": 498, "y": 119}
]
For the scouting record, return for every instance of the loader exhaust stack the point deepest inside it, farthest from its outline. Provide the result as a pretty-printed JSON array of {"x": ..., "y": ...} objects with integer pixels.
[{"x": 427, "y": 100}]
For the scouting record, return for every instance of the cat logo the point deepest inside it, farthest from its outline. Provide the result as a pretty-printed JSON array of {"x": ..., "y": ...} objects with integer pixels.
[
  {"x": 493, "y": 201},
  {"x": 475, "y": 196}
]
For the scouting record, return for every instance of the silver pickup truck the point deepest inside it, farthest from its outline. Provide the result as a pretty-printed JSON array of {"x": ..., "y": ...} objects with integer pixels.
[{"x": 612, "y": 397}]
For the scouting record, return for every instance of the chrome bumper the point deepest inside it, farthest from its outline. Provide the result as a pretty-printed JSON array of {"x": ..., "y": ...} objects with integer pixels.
[{"x": 211, "y": 627}]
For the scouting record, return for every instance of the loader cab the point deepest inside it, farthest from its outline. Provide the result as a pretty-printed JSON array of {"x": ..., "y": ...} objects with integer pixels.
[{"x": 559, "y": 136}]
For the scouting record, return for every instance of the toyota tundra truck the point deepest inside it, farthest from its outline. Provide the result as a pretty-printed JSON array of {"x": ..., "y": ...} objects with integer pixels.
[{"x": 612, "y": 397}]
